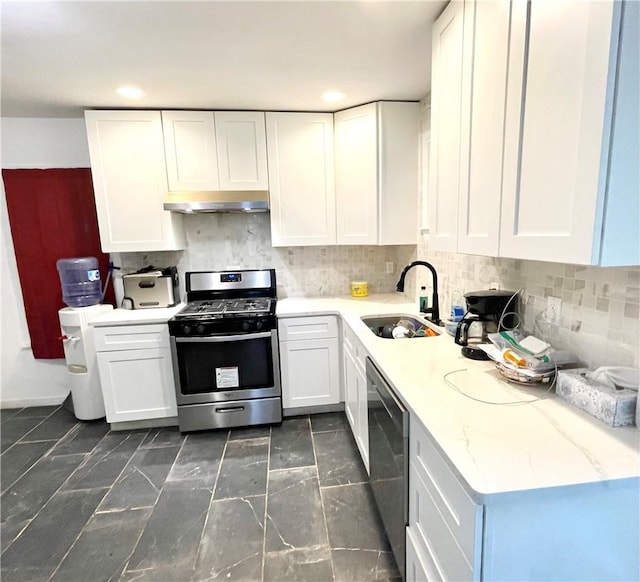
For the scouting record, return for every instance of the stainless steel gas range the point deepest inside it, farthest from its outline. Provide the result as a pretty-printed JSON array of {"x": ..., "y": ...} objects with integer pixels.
[{"x": 224, "y": 346}]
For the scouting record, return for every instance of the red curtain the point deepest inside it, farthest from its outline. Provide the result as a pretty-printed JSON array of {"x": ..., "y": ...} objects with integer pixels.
[{"x": 53, "y": 216}]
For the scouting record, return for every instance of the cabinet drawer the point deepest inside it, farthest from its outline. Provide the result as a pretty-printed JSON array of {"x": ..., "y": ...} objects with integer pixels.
[
  {"x": 303, "y": 328},
  {"x": 421, "y": 566},
  {"x": 433, "y": 535},
  {"x": 456, "y": 508},
  {"x": 131, "y": 337},
  {"x": 355, "y": 347}
]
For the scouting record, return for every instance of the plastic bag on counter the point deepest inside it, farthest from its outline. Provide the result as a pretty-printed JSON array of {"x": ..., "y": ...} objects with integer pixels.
[{"x": 522, "y": 350}]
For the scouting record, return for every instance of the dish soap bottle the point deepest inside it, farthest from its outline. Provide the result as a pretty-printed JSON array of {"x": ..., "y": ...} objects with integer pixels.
[
  {"x": 424, "y": 300},
  {"x": 457, "y": 305}
]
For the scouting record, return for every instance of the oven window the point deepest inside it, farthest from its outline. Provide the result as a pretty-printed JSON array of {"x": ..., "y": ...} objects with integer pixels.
[{"x": 236, "y": 365}]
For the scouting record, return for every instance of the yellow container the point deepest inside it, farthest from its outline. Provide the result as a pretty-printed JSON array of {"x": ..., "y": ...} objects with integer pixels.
[{"x": 359, "y": 288}]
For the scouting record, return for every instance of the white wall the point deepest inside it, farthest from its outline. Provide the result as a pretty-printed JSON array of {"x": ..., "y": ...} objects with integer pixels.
[
  {"x": 44, "y": 143},
  {"x": 31, "y": 143}
]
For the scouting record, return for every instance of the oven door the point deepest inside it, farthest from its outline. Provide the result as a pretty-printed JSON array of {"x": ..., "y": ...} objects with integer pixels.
[{"x": 226, "y": 367}]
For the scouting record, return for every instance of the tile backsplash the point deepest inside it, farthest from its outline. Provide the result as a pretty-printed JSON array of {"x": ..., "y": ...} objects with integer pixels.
[
  {"x": 599, "y": 314},
  {"x": 599, "y": 318},
  {"x": 221, "y": 241}
]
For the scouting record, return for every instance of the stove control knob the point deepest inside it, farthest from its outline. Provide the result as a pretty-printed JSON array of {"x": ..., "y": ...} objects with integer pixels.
[
  {"x": 186, "y": 329},
  {"x": 246, "y": 325},
  {"x": 258, "y": 325},
  {"x": 200, "y": 328}
]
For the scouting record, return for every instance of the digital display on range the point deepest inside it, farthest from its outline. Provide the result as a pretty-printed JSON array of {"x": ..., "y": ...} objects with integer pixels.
[{"x": 230, "y": 277}]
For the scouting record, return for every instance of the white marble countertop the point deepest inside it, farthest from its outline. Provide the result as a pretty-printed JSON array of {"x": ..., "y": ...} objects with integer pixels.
[
  {"x": 494, "y": 448},
  {"x": 137, "y": 316}
]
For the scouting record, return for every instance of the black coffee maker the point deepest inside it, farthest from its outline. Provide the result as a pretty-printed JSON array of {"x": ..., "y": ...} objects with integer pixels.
[{"x": 488, "y": 312}]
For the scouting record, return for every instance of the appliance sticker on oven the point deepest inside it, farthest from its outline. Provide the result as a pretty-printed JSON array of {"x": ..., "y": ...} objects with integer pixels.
[{"x": 227, "y": 377}]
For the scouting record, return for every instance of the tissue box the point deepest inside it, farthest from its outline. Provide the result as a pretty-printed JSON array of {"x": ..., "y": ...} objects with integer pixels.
[{"x": 615, "y": 407}]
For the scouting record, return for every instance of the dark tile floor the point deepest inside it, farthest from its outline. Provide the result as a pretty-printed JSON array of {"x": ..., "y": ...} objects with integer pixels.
[{"x": 81, "y": 503}]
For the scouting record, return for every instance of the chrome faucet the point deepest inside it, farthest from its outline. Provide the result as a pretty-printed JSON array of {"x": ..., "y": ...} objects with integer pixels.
[{"x": 434, "y": 310}]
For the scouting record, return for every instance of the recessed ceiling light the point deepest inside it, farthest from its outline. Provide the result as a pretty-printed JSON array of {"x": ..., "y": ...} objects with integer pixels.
[
  {"x": 130, "y": 92},
  {"x": 333, "y": 96}
]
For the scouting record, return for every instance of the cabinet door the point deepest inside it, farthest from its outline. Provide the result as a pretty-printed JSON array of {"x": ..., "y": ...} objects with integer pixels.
[
  {"x": 130, "y": 182},
  {"x": 377, "y": 173},
  {"x": 301, "y": 178},
  {"x": 446, "y": 101},
  {"x": 190, "y": 149},
  {"x": 362, "y": 436},
  {"x": 486, "y": 44},
  {"x": 355, "y": 392},
  {"x": 559, "y": 82},
  {"x": 126, "y": 397},
  {"x": 398, "y": 140},
  {"x": 242, "y": 150},
  {"x": 356, "y": 155},
  {"x": 350, "y": 390},
  {"x": 310, "y": 372}
]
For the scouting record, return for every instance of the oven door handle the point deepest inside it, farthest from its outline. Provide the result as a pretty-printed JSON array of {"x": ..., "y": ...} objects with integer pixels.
[{"x": 224, "y": 338}]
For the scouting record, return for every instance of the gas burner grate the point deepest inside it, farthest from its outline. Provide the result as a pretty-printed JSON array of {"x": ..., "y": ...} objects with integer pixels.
[{"x": 221, "y": 307}]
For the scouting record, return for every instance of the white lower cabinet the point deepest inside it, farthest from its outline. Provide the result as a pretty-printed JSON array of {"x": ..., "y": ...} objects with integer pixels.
[
  {"x": 136, "y": 372},
  {"x": 309, "y": 361},
  {"x": 578, "y": 532},
  {"x": 445, "y": 521},
  {"x": 355, "y": 391}
]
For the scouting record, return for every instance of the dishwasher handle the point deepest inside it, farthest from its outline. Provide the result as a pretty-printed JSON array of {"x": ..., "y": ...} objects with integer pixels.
[{"x": 390, "y": 402}]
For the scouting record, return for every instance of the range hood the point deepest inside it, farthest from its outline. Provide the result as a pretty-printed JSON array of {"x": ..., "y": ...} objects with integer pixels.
[{"x": 242, "y": 202}]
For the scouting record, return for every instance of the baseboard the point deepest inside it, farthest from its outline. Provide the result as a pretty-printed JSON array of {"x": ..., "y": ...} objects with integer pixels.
[
  {"x": 339, "y": 407},
  {"x": 36, "y": 401},
  {"x": 151, "y": 423}
]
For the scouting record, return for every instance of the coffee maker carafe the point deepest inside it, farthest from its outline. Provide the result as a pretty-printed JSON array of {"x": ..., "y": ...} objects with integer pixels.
[{"x": 487, "y": 312}]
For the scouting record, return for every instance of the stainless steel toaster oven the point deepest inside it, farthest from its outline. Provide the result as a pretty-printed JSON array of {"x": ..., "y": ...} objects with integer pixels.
[{"x": 151, "y": 288}]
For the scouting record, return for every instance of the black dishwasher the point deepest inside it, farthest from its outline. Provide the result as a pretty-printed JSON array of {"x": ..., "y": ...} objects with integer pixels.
[{"x": 389, "y": 459}]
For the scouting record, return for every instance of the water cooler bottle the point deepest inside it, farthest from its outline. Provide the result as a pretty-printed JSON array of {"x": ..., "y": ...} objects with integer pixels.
[{"x": 80, "y": 355}]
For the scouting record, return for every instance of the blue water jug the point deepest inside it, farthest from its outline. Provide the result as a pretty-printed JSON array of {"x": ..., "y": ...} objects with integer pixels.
[{"x": 80, "y": 279}]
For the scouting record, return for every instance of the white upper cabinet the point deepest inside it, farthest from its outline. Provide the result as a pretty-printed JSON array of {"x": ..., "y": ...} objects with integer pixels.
[
  {"x": 376, "y": 153},
  {"x": 567, "y": 83},
  {"x": 486, "y": 46},
  {"x": 242, "y": 150},
  {"x": 535, "y": 131},
  {"x": 356, "y": 155},
  {"x": 190, "y": 149},
  {"x": 301, "y": 178},
  {"x": 446, "y": 113},
  {"x": 470, "y": 48},
  {"x": 221, "y": 150},
  {"x": 130, "y": 182}
]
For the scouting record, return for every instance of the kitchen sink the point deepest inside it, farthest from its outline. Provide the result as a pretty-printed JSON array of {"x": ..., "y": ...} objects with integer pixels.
[{"x": 383, "y": 325}]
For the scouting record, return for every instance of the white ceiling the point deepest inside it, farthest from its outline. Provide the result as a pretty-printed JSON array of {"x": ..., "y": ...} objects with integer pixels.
[{"x": 59, "y": 58}]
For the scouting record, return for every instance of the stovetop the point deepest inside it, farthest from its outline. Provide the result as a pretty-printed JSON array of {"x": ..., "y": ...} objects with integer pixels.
[
  {"x": 217, "y": 308},
  {"x": 227, "y": 303}
]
